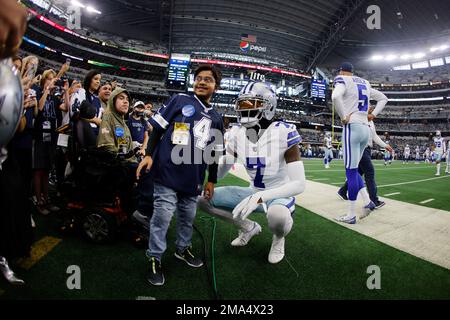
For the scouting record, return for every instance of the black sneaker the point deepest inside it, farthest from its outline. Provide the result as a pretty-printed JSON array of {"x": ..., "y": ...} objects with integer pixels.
[
  {"x": 155, "y": 275},
  {"x": 341, "y": 194},
  {"x": 187, "y": 256},
  {"x": 379, "y": 204}
]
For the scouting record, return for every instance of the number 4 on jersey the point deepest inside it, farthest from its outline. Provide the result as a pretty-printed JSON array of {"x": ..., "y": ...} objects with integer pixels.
[{"x": 201, "y": 132}]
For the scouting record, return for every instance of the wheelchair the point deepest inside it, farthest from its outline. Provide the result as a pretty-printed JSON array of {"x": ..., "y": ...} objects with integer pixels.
[{"x": 100, "y": 192}]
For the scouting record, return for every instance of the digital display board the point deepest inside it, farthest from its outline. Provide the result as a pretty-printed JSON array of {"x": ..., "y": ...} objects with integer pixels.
[
  {"x": 318, "y": 91},
  {"x": 178, "y": 73}
]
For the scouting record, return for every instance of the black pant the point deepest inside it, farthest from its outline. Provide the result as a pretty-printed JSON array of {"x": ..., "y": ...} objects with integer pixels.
[
  {"x": 16, "y": 234},
  {"x": 366, "y": 168}
]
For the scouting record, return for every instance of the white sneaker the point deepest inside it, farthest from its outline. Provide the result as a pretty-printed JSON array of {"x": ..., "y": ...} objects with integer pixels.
[
  {"x": 437, "y": 174},
  {"x": 276, "y": 253},
  {"x": 346, "y": 219},
  {"x": 245, "y": 236}
]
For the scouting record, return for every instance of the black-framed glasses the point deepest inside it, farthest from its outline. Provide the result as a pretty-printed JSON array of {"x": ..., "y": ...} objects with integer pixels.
[{"x": 206, "y": 79}]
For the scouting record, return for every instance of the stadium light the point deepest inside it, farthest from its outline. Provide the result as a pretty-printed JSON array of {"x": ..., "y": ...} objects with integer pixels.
[
  {"x": 78, "y": 4},
  {"x": 419, "y": 55},
  {"x": 377, "y": 57},
  {"x": 433, "y": 49},
  {"x": 93, "y": 10},
  {"x": 443, "y": 47},
  {"x": 405, "y": 56},
  {"x": 391, "y": 57}
]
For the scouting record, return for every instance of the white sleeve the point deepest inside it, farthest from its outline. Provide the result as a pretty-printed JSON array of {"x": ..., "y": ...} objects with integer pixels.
[
  {"x": 294, "y": 187},
  {"x": 225, "y": 164},
  {"x": 231, "y": 140},
  {"x": 376, "y": 138},
  {"x": 338, "y": 99},
  {"x": 381, "y": 101}
]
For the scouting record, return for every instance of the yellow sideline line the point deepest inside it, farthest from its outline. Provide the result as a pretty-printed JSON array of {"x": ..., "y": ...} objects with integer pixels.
[{"x": 39, "y": 250}]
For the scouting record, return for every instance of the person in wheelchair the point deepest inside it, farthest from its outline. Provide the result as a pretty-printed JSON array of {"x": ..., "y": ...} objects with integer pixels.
[
  {"x": 104, "y": 172},
  {"x": 114, "y": 144},
  {"x": 115, "y": 140}
]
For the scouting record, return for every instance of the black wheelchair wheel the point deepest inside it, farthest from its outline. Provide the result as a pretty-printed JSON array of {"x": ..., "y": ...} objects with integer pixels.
[{"x": 99, "y": 226}]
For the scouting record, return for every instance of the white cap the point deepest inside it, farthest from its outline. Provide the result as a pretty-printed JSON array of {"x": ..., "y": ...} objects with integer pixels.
[{"x": 137, "y": 103}]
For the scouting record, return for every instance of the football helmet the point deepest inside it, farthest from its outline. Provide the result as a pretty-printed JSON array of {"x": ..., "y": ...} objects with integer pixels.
[
  {"x": 438, "y": 133},
  {"x": 255, "y": 101},
  {"x": 11, "y": 101}
]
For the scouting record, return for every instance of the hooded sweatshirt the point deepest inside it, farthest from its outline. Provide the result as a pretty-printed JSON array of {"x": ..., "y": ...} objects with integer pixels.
[{"x": 114, "y": 132}]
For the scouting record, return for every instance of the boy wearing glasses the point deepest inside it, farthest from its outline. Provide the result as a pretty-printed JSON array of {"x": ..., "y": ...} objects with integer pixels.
[{"x": 187, "y": 132}]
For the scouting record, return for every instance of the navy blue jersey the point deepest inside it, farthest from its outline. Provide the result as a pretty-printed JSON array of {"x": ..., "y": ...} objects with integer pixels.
[
  {"x": 95, "y": 101},
  {"x": 138, "y": 128},
  {"x": 182, "y": 167}
]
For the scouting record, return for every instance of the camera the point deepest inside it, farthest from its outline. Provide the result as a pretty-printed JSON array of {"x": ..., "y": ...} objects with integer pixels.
[
  {"x": 31, "y": 93},
  {"x": 60, "y": 82}
]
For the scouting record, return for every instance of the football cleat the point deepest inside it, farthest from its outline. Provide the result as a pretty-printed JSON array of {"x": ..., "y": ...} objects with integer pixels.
[
  {"x": 380, "y": 204},
  {"x": 346, "y": 219},
  {"x": 276, "y": 253},
  {"x": 245, "y": 236}
]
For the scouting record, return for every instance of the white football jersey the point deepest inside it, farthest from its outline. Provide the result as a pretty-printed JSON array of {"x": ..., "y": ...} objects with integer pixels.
[
  {"x": 417, "y": 150},
  {"x": 226, "y": 136},
  {"x": 439, "y": 145},
  {"x": 328, "y": 143},
  {"x": 358, "y": 93},
  {"x": 407, "y": 150},
  {"x": 264, "y": 160}
]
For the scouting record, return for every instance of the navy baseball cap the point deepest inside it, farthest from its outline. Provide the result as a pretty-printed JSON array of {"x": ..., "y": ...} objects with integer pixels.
[{"x": 346, "y": 66}]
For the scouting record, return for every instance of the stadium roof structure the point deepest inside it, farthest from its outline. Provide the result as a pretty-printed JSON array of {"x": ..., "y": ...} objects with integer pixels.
[{"x": 297, "y": 33}]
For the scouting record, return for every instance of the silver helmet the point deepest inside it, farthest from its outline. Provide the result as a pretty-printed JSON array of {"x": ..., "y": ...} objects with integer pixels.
[
  {"x": 255, "y": 101},
  {"x": 11, "y": 101}
]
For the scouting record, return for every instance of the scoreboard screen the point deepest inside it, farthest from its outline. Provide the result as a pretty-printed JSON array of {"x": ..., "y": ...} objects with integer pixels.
[
  {"x": 318, "y": 91},
  {"x": 177, "y": 77}
]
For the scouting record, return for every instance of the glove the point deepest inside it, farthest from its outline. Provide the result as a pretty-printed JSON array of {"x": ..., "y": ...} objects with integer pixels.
[{"x": 247, "y": 206}]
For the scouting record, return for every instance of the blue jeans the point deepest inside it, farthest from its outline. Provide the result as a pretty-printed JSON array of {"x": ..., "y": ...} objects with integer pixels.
[{"x": 166, "y": 202}]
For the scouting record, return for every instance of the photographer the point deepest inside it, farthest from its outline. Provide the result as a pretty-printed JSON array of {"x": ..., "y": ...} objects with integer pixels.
[
  {"x": 45, "y": 138},
  {"x": 15, "y": 220}
]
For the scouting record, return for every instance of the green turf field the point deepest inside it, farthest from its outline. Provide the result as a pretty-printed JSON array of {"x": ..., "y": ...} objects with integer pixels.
[
  {"x": 323, "y": 259},
  {"x": 406, "y": 178}
]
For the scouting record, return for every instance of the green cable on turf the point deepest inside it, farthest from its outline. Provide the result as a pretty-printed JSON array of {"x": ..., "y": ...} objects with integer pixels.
[{"x": 213, "y": 265}]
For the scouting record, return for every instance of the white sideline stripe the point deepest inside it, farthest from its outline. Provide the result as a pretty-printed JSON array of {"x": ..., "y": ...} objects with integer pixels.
[
  {"x": 321, "y": 179},
  {"x": 338, "y": 183},
  {"x": 343, "y": 169},
  {"x": 409, "y": 182},
  {"x": 391, "y": 194},
  {"x": 418, "y": 230},
  {"x": 426, "y": 201}
]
